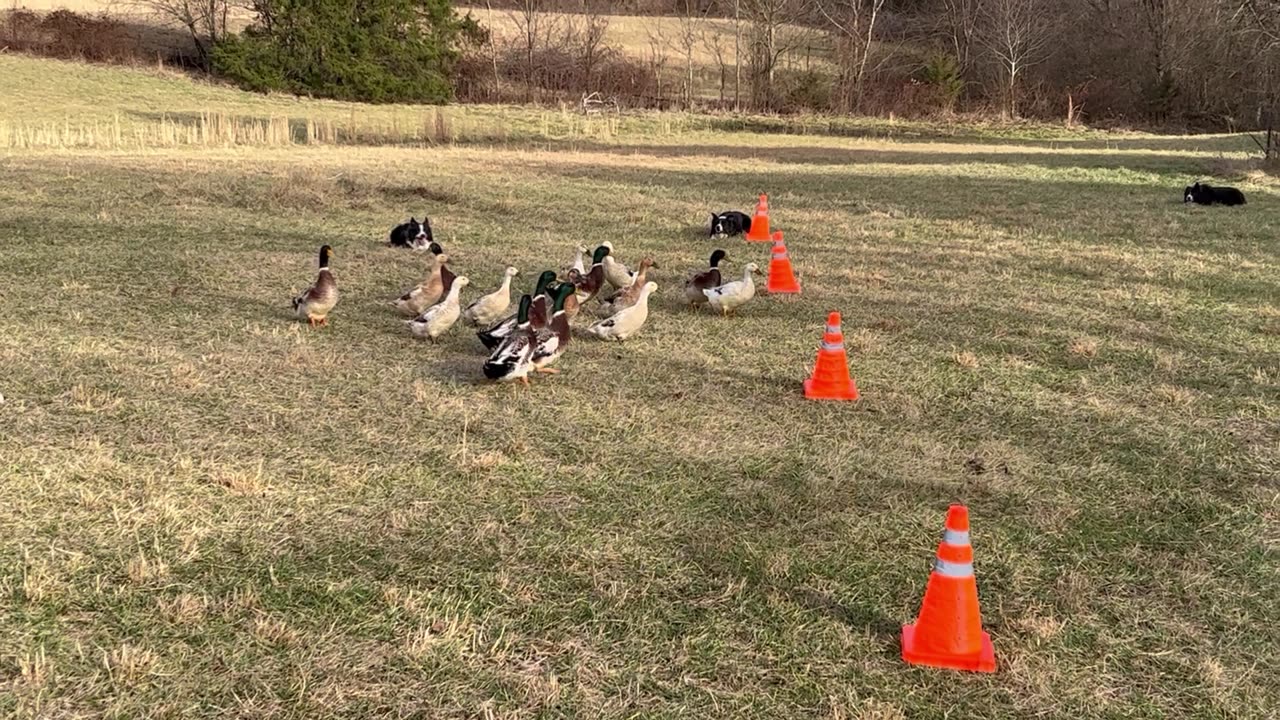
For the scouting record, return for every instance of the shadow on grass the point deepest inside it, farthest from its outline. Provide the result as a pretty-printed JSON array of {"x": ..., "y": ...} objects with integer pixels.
[
  {"x": 1012, "y": 135},
  {"x": 1179, "y": 166}
]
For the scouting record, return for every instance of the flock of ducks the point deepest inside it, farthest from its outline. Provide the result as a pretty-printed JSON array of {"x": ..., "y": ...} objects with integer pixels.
[{"x": 532, "y": 338}]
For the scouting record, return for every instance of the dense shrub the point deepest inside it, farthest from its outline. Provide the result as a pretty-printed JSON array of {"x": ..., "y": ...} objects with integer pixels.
[{"x": 367, "y": 50}]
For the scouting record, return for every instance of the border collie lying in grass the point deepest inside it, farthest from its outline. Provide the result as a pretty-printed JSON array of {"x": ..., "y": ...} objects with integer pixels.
[
  {"x": 1209, "y": 195},
  {"x": 413, "y": 234},
  {"x": 730, "y": 223}
]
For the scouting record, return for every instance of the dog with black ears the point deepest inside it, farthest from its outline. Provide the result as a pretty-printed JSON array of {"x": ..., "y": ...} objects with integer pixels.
[
  {"x": 413, "y": 234},
  {"x": 729, "y": 224},
  {"x": 1202, "y": 194}
]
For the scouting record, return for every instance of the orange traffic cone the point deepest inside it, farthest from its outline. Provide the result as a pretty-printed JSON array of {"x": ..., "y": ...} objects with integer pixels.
[
  {"x": 948, "y": 633},
  {"x": 759, "y": 231},
  {"x": 830, "y": 379},
  {"x": 781, "y": 279}
]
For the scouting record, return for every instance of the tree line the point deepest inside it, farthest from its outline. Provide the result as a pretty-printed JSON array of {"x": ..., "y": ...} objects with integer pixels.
[{"x": 1188, "y": 64}]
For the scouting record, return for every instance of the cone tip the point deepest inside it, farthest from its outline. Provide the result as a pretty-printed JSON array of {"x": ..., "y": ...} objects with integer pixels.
[
  {"x": 958, "y": 517},
  {"x": 833, "y": 318},
  {"x": 777, "y": 236}
]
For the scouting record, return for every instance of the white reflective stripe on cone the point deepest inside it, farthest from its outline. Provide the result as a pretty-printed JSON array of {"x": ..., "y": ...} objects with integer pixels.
[
  {"x": 832, "y": 346},
  {"x": 833, "y": 329},
  {"x": 956, "y": 537},
  {"x": 952, "y": 569}
]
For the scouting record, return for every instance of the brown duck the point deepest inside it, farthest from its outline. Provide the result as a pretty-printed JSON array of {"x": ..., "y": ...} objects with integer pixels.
[
  {"x": 428, "y": 292},
  {"x": 446, "y": 275},
  {"x": 627, "y": 296}
]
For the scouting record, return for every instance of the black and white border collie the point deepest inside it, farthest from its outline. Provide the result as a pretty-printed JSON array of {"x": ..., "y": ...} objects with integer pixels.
[
  {"x": 1202, "y": 194},
  {"x": 413, "y": 234},
  {"x": 730, "y": 223}
]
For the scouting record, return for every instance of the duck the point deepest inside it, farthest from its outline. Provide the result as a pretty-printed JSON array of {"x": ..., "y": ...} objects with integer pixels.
[
  {"x": 315, "y": 303},
  {"x": 728, "y": 297},
  {"x": 513, "y": 358},
  {"x": 705, "y": 280},
  {"x": 439, "y": 317},
  {"x": 542, "y": 306},
  {"x": 615, "y": 272},
  {"x": 446, "y": 275},
  {"x": 628, "y": 320},
  {"x": 493, "y": 336},
  {"x": 428, "y": 292},
  {"x": 489, "y": 308},
  {"x": 577, "y": 259},
  {"x": 589, "y": 285},
  {"x": 552, "y": 341},
  {"x": 627, "y": 296}
]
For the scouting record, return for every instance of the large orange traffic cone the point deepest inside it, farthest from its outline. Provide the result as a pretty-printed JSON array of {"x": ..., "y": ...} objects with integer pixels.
[
  {"x": 759, "y": 231},
  {"x": 830, "y": 379},
  {"x": 948, "y": 632},
  {"x": 781, "y": 278}
]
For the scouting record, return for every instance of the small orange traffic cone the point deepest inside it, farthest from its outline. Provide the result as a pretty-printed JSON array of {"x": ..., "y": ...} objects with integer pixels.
[
  {"x": 948, "y": 632},
  {"x": 759, "y": 231},
  {"x": 830, "y": 379},
  {"x": 781, "y": 279}
]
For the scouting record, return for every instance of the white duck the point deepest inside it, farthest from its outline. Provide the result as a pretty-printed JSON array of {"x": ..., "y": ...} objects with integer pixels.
[
  {"x": 627, "y": 321},
  {"x": 439, "y": 317},
  {"x": 615, "y": 272},
  {"x": 577, "y": 260},
  {"x": 730, "y": 296},
  {"x": 490, "y": 308}
]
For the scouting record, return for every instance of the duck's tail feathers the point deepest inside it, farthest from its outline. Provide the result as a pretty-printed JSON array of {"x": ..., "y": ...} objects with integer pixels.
[{"x": 497, "y": 370}]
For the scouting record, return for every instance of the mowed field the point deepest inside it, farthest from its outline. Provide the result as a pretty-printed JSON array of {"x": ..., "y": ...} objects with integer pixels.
[{"x": 209, "y": 510}]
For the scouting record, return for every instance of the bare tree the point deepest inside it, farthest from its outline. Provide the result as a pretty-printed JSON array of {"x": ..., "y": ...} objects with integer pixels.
[
  {"x": 960, "y": 21},
  {"x": 715, "y": 43},
  {"x": 1262, "y": 24},
  {"x": 854, "y": 24},
  {"x": 767, "y": 42},
  {"x": 204, "y": 20},
  {"x": 1016, "y": 32},
  {"x": 493, "y": 51},
  {"x": 690, "y": 24},
  {"x": 591, "y": 46},
  {"x": 536, "y": 25},
  {"x": 737, "y": 55},
  {"x": 658, "y": 59}
]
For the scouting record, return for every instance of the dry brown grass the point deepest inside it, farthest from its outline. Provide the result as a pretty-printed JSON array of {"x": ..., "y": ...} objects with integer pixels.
[{"x": 1083, "y": 347}]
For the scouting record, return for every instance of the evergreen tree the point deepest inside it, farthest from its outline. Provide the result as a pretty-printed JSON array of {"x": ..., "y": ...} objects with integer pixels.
[{"x": 366, "y": 50}]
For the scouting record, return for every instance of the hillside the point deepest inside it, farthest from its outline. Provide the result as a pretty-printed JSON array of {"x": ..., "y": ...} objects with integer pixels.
[{"x": 68, "y": 104}]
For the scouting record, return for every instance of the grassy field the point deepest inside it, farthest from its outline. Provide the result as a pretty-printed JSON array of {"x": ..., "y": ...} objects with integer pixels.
[{"x": 209, "y": 510}]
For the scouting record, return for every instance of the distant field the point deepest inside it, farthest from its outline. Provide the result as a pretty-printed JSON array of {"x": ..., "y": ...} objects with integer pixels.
[
  {"x": 211, "y": 511},
  {"x": 639, "y": 36},
  {"x": 636, "y": 37}
]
